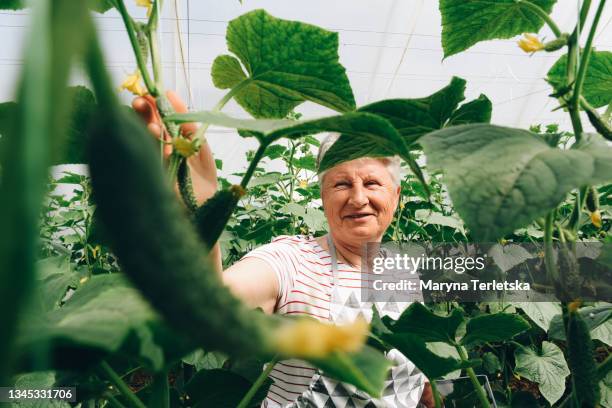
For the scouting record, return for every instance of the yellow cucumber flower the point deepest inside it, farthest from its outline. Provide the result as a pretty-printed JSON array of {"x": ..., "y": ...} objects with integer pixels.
[
  {"x": 145, "y": 3},
  {"x": 132, "y": 84},
  {"x": 313, "y": 339},
  {"x": 186, "y": 147},
  {"x": 530, "y": 43},
  {"x": 596, "y": 218}
]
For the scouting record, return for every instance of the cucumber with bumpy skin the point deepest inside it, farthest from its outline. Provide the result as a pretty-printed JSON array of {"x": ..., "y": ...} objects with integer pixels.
[
  {"x": 158, "y": 248},
  {"x": 211, "y": 217},
  {"x": 581, "y": 362},
  {"x": 185, "y": 187}
]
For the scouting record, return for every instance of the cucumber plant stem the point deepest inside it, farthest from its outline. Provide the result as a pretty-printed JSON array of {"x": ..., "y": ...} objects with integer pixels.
[
  {"x": 199, "y": 134},
  {"x": 123, "y": 388},
  {"x": 543, "y": 15},
  {"x": 482, "y": 396},
  {"x": 154, "y": 46},
  {"x": 253, "y": 164},
  {"x": 160, "y": 395},
  {"x": 436, "y": 394},
  {"x": 584, "y": 60},
  {"x": 246, "y": 400},
  {"x": 549, "y": 261},
  {"x": 131, "y": 32}
]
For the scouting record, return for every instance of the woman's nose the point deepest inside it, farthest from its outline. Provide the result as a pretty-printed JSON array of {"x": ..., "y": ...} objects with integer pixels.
[{"x": 358, "y": 196}]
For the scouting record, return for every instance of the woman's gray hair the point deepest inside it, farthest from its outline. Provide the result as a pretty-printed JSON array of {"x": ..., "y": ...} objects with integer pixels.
[{"x": 392, "y": 163}]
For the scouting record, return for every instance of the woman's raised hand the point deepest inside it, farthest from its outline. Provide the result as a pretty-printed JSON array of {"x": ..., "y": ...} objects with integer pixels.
[{"x": 202, "y": 166}]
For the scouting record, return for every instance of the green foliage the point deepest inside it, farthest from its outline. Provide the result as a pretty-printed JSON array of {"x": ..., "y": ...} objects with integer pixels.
[
  {"x": 412, "y": 118},
  {"x": 366, "y": 369},
  {"x": 597, "y": 88},
  {"x": 414, "y": 348},
  {"x": 222, "y": 388},
  {"x": 284, "y": 68},
  {"x": 547, "y": 368},
  {"x": 106, "y": 315},
  {"x": 420, "y": 321},
  {"x": 513, "y": 165},
  {"x": 465, "y": 23},
  {"x": 493, "y": 327}
]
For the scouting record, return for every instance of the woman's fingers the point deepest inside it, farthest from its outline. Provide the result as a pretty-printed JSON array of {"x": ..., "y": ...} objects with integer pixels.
[{"x": 187, "y": 129}]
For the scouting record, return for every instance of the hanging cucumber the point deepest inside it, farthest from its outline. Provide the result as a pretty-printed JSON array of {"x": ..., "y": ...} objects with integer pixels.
[
  {"x": 592, "y": 205},
  {"x": 581, "y": 362},
  {"x": 156, "y": 245},
  {"x": 186, "y": 187},
  {"x": 210, "y": 218}
]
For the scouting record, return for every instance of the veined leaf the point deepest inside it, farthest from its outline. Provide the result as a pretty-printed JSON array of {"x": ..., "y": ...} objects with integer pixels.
[
  {"x": 501, "y": 179},
  {"x": 362, "y": 126},
  {"x": 542, "y": 313},
  {"x": 546, "y": 368},
  {"x": 415, "y": 349},
  {"x": 286, "y": 63},
  {"x": 493, "y": 327},
  {"x": 366, "y": 369},
  {"x": 413, "y": 118},
  {"x": 467, "y": 22},
  {"x": 594, "y": 316},
  {"x": 105, "y": 315},
  {"x": 418, "y": 320},
  {"x": 597, "y": 87}
]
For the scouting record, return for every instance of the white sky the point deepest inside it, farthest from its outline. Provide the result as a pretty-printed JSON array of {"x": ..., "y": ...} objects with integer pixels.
[{"x": 390, "y": 48}]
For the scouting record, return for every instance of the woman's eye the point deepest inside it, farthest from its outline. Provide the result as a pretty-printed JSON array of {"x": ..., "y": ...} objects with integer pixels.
[
  {"x": 372, "y": 183},
  {"x": 341, "y": 184}
]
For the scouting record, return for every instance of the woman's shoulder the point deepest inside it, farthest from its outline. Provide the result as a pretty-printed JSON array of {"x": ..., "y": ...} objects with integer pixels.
[{"x": 305, "y": 244}]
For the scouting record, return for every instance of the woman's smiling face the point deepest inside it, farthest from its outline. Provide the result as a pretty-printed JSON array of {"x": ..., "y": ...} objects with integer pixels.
[{"x": 359, "y": 198}]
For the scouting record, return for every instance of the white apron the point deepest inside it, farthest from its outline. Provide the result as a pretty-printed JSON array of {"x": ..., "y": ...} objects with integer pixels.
[{"x": 405, "y": 383}]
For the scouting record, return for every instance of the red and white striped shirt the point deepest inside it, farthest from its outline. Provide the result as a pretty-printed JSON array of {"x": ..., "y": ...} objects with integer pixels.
[{"x": 304, "y": 273}]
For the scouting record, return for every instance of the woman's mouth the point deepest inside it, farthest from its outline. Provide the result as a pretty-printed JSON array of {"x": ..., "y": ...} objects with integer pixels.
[{"x": 359, "y": 216}]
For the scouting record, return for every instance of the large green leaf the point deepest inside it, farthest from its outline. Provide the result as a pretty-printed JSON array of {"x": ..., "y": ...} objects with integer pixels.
[
  {"x": 222, "y": 389},
  {"x": 594, "y": 316},
  {"x": 366, "y": 369},
  {"x": 415, "y": 117},
  {"x": 361, "y": 125},
  {"x": 501, "y": 179},
  {"x": 493, "y": 327},
  {"x": 467, "y": 22},
  {"x": 546, "y": 368},
  {"x": 415, "y": 349},
  {"x": 541, "y": 313},
  {"x": 107, "y": 315},
  {"x": 287, "y": 63},
  {"x": 38, "y": 381},
  {"x": 418, "y": 320},
  {"x": 24, "y": 170},
  {"x": 54, "y": 278},
  {"x": 597, "y": 87}
]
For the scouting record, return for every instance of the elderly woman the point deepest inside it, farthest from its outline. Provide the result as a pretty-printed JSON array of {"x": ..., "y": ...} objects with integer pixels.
[{"x": 317, "y": 277}]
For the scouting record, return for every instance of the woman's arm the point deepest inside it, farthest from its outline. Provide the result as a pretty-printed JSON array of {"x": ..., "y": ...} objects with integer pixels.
[{"x": 251, "y": 280}]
